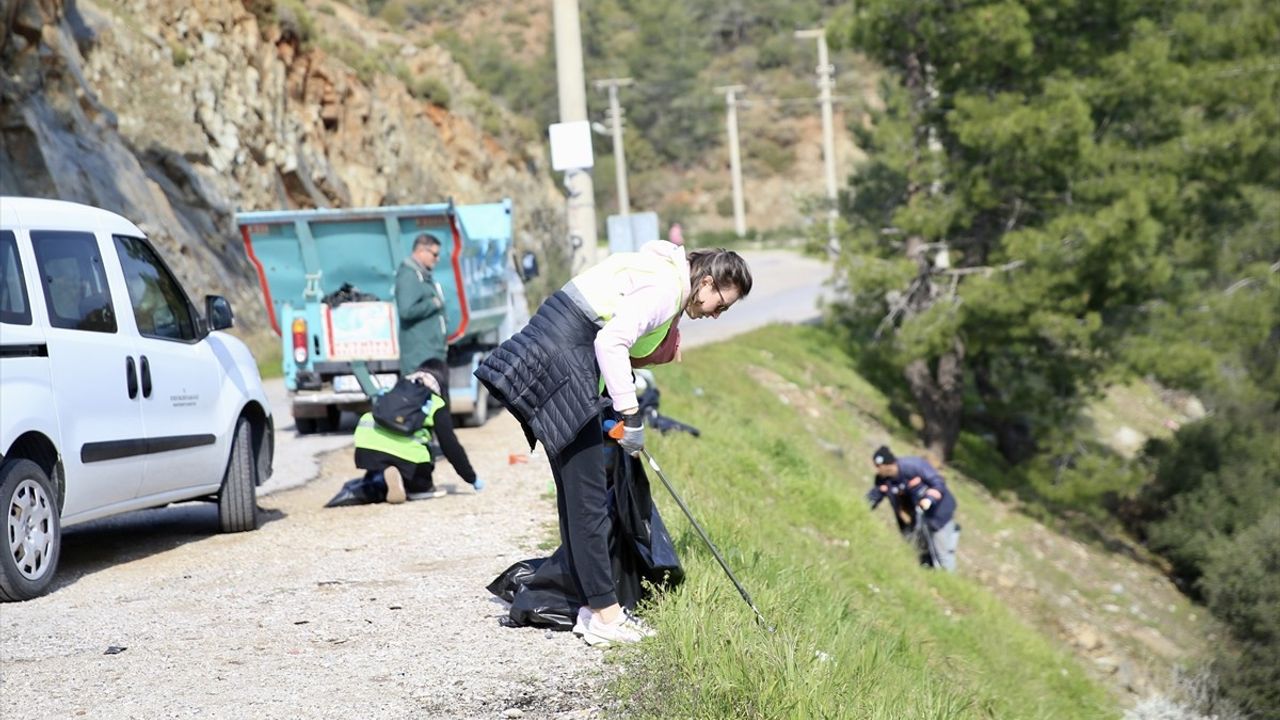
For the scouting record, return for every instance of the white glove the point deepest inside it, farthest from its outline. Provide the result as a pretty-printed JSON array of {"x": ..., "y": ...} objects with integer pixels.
[{"x": 632, "y": 434}]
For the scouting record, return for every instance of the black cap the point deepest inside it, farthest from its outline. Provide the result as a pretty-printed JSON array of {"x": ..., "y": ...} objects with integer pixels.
[{"x": 883, "y": 456}]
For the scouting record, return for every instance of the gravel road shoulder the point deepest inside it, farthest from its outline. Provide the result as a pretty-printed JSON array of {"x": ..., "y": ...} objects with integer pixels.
[{"x": 374, "y": 611}]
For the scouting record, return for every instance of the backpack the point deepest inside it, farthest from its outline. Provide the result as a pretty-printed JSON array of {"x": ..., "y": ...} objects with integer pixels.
[{"x": 400, "y": 408}]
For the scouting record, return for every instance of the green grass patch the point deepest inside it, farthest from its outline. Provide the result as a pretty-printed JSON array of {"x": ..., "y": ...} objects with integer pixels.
[
  {"x": 270, "y": 363},
  {"x": 777, "y": 480}
]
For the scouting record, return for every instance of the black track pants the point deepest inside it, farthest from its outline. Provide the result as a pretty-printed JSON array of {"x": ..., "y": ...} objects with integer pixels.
[{"x": 582, "y": 497}]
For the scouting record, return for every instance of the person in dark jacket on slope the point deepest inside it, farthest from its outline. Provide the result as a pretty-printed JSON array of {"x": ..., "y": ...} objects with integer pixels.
[
  {"x": 918, "y": 493},
  {"x": 620, "y": 314}
]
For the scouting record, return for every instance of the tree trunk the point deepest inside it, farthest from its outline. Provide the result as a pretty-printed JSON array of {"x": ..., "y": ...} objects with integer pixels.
[{"x": 939, "y": 393}]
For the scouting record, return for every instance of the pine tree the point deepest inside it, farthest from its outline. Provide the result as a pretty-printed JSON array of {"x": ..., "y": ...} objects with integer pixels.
[{"x": 1071, "y": 163}]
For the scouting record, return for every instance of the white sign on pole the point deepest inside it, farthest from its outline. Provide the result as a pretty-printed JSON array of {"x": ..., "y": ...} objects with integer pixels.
[{"x": 571, "y": 145}]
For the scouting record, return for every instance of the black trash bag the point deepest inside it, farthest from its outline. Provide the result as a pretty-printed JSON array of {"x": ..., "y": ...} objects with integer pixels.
[
  {"x": 541, "y": 591},
  {"x": 360, "y": 491},
  {"x": 347, "y": 293}
]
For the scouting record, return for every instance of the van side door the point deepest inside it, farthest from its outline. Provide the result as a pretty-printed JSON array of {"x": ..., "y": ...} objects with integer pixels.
[
  {"x": 188, "y": 429},
  {"x": 26, "y": 401},
  {"x": 94, "y": 366}
]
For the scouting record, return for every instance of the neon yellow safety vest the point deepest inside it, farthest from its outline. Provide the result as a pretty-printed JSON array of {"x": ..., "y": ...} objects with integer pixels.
[
  {"x": 372, "y": 436},
  {"x": 599, "y": 287}
]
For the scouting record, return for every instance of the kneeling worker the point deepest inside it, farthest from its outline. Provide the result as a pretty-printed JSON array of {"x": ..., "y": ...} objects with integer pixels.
[
  {"x": 913, "y": 485},
  {"x": 404, "y": 462}
]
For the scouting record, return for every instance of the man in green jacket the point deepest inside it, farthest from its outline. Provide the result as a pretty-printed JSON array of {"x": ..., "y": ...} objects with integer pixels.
[
  {"x": 420, "y": 304},
  {"x": 424, "y": 343}
]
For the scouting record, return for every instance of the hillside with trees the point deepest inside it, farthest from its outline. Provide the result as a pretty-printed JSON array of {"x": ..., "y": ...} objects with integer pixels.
[
  {"x": 1061, "y": 196},
  {"x": 677, "y": 52}
]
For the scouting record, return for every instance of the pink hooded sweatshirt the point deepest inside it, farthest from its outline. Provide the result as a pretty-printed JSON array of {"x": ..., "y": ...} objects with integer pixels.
[{"x": 648, "y": 299}]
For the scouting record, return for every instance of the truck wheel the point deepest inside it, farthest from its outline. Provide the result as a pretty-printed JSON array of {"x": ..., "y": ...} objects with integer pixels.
[
  {"x": 306, "y": 426},
  {"x": 238, "y": 498},
  {"x": 479, "y": 415},
  {"x": 332, "y": 419},
  {"x": 33, "y": 533}
]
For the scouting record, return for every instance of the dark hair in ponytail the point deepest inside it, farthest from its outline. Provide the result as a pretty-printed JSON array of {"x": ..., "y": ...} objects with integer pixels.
[{"x": 725, "y": 267}]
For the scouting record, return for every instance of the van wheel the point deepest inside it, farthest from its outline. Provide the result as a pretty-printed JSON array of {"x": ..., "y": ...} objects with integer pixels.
[
  {"x": 306, "y": 426},
  {"x": 33, "y": 533},
  {"x": 238, "y": 498}
]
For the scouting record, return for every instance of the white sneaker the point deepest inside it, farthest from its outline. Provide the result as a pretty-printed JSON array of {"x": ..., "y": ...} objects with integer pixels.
[
  {"x": 427, "y": 494},
  {"x": 395, "y": 485},
  {"x": 622, "y": 630}
]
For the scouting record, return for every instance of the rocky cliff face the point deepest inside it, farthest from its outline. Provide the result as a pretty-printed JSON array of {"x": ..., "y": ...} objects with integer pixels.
[{"x": 177, "y": 114}]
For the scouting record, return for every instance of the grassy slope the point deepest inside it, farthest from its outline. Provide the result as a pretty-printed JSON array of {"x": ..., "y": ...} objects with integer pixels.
[{"x": 861, "y": 632}]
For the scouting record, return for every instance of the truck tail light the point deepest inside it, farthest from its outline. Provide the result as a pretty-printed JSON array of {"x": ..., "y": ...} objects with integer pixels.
[{"x": 299, "y": 340}]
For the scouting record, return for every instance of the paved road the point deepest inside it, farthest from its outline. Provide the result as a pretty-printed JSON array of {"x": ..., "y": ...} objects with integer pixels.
[{"x": 787, "y": 287}]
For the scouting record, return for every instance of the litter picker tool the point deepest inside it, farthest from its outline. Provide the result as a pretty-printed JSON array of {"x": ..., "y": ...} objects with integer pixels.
[
  {"x": 923, "y": 529},
  {"x": 701, "y": 533}
]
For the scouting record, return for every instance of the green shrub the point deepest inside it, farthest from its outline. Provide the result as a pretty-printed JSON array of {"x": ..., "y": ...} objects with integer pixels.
[
  {"x": 776, "y": 157},
  {"x": 1242, "y": 586},
  {"x": 295, "y": 21},
  {"x": 393, "y": 14},
  {"x": 1081, "y": 476},
  {"x": 1215, "y": 478},
  {"x": 777, "y": 51},
  {"x": 489, "y": 115},
  {"x": 365, "y": 62},
  {"x": 431, "y": 89},
  {"x": 724, "y": 206}
]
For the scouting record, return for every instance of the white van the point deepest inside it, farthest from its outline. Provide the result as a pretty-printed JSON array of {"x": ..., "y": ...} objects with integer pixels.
[{"x": 116, "y": 394}]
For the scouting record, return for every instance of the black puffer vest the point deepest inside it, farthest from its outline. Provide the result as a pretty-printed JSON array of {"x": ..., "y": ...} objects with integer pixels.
[{"x": 546, "y": 375}]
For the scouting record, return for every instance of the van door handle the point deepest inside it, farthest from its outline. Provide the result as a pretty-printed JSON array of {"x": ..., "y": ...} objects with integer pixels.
[
  {"x": 146, "y": 377},
  {"x": 131, "y": 377}
]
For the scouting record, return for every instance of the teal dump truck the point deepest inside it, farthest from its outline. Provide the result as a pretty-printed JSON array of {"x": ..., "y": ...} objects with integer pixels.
[{"x": 328, "y": 281}]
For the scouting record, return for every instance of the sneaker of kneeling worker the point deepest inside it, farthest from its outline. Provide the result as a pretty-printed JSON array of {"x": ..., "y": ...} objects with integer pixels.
[
  {"x": 395, "y": 485},
  {"x": 426, "y": 494}
]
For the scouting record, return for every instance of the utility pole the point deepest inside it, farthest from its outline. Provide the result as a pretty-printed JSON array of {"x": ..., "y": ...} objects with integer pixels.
[
  {"x": 619, "y": 154},
  {"x": 826, "y": 75},
  {"x": 572, "y": 91},
  {"x": 735, "y": 162}
]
